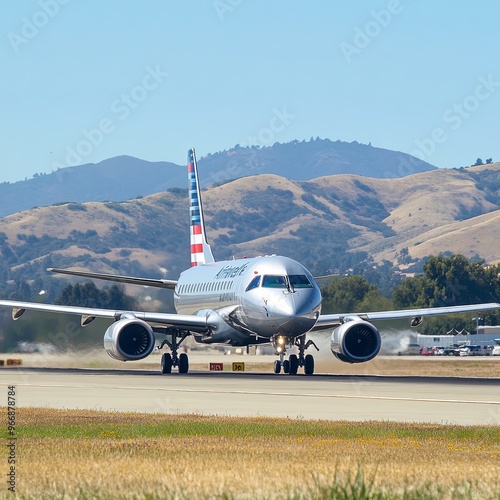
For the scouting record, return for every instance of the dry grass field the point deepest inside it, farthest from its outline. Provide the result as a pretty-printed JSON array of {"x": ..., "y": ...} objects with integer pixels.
[{"x": 88, "y": 454}]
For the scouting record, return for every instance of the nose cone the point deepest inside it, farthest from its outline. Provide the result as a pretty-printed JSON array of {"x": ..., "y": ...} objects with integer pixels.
[{"x": 296, "y": 313}]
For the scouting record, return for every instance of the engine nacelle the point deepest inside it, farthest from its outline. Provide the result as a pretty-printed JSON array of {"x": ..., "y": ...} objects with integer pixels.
[
  {"x": 355, "y": 341},
  {"x": 129, "y": 339}
]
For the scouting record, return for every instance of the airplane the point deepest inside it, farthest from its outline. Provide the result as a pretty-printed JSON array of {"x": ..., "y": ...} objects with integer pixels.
[{"x": 244, "y": 302}]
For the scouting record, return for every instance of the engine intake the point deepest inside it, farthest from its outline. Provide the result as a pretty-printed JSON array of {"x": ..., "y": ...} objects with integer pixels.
[
  {"x": 129, "y": 339},
  {"x": 355, "y": 341}
]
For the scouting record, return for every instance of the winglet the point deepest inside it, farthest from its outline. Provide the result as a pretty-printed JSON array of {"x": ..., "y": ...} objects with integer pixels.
[{"x": 201, "y": 252}]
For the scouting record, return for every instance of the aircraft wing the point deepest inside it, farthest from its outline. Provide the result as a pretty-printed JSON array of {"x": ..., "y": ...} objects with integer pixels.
[
  {"x": 159, "y": 283},
  {"x": 186, "y": 321},
  {"x": 333, "y": 320}
]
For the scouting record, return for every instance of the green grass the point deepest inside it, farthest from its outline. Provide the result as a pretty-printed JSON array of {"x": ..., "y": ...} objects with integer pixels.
[{"x": 122, "y": 426}]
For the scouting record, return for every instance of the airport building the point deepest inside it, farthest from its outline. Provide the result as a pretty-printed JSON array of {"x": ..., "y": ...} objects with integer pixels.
[{"x": 485, "y": 335}]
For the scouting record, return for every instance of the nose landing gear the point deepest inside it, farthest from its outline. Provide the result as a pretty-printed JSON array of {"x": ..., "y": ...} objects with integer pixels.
[{"x": 292, "y": 364}]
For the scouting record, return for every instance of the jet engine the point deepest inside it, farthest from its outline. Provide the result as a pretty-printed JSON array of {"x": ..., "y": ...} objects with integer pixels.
[
  {"x": 355, "y": 341},
  {"x": 129, "y": 339}
]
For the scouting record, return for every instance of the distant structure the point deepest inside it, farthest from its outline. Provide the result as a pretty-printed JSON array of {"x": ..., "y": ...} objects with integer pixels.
[{"x": 485, "y": 335}]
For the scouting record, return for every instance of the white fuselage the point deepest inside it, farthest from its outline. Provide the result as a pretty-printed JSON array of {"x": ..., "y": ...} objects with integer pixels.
[{"x": 250, "y": 301}]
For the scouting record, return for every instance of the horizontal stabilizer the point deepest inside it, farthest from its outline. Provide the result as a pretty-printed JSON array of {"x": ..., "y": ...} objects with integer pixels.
[{"x": 158, "y": 283}]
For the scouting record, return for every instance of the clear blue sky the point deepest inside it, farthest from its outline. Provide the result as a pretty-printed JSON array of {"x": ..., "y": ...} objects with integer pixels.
[{"x": 157, "y": 77}]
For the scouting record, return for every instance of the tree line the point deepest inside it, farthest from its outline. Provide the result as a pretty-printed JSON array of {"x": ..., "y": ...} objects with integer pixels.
[{"x": 445, "y": 281}]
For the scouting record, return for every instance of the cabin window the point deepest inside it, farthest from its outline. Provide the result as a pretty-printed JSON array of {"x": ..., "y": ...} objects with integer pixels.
[
  {"x": 299, "y": 281},
  {"x": 254, "y": 283}
]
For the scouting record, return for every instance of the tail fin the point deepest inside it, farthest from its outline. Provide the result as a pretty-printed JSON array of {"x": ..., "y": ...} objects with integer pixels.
[{"x": 200, "y": 249}]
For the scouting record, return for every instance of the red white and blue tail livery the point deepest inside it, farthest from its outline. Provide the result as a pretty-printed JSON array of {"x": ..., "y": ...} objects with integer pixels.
[{"x": 201, "y": 252}]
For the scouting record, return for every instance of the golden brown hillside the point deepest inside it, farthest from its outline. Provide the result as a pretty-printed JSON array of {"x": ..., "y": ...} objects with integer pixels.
[{"x": 329, "y": 224}]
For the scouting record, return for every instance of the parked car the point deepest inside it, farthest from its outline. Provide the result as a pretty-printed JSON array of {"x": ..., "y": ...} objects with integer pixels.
[
  {"x": 496, "y": 349},
  {"x": 447, "y": 351},
  {"x": 474, "y": 350},
  {"x": 428, "y": 351}
]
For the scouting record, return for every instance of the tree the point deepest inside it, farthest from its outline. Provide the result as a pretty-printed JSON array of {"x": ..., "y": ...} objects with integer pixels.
[
  {"x": 448, "y": 281},
  {"x": 451, "y": 281},
  {"x": 489, "y": 160},
  {"x": 353, "y": 294},
  {"x": 478, "y": 162}
]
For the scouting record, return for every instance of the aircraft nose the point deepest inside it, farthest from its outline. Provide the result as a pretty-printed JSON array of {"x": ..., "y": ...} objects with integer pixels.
[{"x": 295, "y": 313}]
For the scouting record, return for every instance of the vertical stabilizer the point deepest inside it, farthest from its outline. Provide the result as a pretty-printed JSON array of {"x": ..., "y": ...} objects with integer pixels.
[{"x": 200, "y": 249}]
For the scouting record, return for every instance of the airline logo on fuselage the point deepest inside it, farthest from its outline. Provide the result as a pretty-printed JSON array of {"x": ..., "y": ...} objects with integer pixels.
[{"x": 230, "y": 271}]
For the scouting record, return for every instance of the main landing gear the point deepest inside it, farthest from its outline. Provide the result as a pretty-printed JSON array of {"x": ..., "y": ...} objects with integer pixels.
[
  {"x": 292, "y": 364},
  {"x": 169, "y": 360}
]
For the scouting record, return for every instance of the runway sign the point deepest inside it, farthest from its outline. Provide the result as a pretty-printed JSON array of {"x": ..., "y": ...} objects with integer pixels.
[
  {"x": 238, "y": 367},
  {"x": 14, "y": 362},
  {"x": 216, "y": 367}
]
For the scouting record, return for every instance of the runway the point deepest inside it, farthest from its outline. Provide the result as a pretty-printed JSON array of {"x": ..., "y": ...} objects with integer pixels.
[{"x": 333, "y": 397}]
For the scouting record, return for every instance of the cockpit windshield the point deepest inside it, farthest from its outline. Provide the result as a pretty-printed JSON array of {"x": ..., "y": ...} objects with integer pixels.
[
  {"x": 299, "y": 281},
  {"x": 290, "y": 282},
  {"x": 254, "y": 283},
  {"x": 273, "y": 281}
]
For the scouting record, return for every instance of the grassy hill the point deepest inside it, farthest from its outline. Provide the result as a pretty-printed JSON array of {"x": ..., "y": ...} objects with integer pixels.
[{"x": 329, "y": 223}]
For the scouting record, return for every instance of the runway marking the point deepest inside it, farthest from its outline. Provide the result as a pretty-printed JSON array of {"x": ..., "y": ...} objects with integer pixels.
[
  {"x": 267, "y": 393},
  {"x": 338, "y": 396}
]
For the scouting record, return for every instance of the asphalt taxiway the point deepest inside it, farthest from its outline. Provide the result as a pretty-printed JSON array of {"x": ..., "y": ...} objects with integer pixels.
[{"x": 465, "y": 401}]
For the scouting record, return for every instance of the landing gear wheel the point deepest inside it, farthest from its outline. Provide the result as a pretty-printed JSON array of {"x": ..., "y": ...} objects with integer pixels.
[
  {"x": 309, "y": 365},
  {"x": 277, "y": 366},
  {"x": 183, "y": 363},
  {"x": 294, "y": 364},
  {"x": 166, "y": 363},
  {"x": 286, "y": 366}
]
